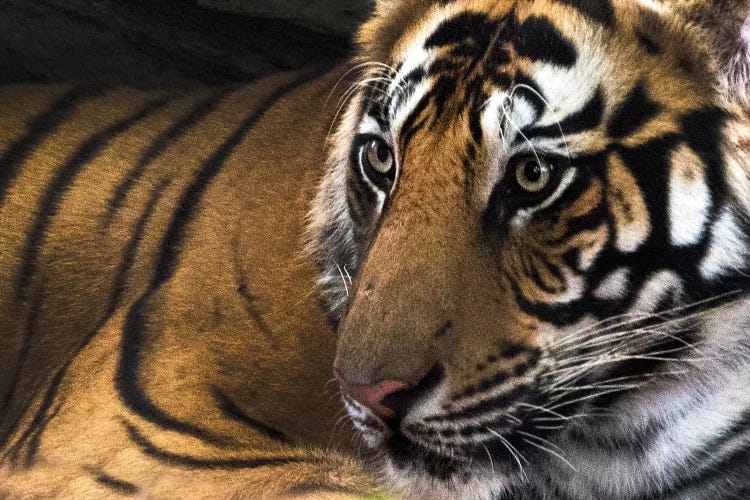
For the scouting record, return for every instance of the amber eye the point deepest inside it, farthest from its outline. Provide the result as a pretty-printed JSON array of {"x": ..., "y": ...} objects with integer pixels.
[
  {"x": 377, "y": 156},
  {"x": 533, "y": 174}
]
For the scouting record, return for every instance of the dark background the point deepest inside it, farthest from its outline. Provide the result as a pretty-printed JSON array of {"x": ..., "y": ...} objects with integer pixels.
[{"x": 175, "y": 43}]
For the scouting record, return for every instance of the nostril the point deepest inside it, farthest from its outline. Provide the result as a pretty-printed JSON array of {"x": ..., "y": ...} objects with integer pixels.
[
  {"x": 401, "y": 401},
  {"x": 374, "y": 396},
  {"x": 391, "y": 399}
]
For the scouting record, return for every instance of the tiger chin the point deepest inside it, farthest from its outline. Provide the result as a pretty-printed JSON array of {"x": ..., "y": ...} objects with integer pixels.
[{"x": 533, "y": 237}]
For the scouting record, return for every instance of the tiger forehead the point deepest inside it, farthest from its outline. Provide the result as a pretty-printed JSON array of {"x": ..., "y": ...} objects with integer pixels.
[
  {"x": 465, "y": 56},
  {"x": 544, "y": 54}
]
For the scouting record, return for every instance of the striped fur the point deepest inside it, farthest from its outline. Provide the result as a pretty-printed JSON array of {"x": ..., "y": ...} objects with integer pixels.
[
  {"x": 588, "y": 341},
  {"x": 161, "y": 337}
]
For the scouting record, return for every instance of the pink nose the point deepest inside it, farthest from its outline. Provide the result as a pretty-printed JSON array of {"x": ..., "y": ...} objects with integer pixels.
[{"x": 372, "y": 395}]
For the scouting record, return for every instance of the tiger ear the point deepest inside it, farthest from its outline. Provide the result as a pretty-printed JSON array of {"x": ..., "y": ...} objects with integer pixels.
[{"x": 726, "y": 25}]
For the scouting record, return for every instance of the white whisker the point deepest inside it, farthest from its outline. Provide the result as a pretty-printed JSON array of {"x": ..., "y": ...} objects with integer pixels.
[
  {"x": 551, "y": 452},
  {"x": 346, "y": 287}
]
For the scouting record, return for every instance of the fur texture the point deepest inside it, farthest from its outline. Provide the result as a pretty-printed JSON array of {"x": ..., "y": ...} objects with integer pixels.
[{"x": 161, "y": 334}]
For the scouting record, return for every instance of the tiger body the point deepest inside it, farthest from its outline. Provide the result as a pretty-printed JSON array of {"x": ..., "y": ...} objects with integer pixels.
[
  {"x": 160, "y": 332},
  {"x": 529, "y": 231}
]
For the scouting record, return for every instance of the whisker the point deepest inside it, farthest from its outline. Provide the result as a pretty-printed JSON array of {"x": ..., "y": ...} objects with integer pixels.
[
  {"x": 552, "y": 452},
  {"x": 541, "y": 439},
  {"x": 583, "y": 398},
  {"x": 636, "y": 317},
  {"x": 489, "y": 455},
  {"x": 543, "y": 409},
  {"x": 507, "y": 115},
  {"x": 513, "y": 452},
  {"x": 346, "y": 287}
]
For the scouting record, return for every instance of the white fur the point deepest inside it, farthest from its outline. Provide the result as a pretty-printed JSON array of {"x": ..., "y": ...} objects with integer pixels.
[
  {"x": 689, "y": 201},
  {"x": 728, "y": 249},
  {"x": 614, "y": 286}
]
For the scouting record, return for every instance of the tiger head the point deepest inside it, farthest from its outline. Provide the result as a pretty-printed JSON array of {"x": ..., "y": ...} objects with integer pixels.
[{"x": 534, "y": 222}]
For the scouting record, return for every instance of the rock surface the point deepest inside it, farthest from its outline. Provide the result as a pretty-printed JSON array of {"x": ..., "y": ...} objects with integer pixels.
[
  {"x": 144, "y": 43},
  {"x": 336, "y": 16}
]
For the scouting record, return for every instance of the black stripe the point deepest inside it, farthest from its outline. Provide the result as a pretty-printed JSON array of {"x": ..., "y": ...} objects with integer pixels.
[
  {"x": 231, "y": 410},
  {"x": 134, "y": 330},
  {"x": 64, "y": 177},
  {"x": 410, "y": 125},
  {"x": 465, "y": 27},
  {"x": 242, "y": 287},
  {"x": 587, "y": 118},
  {"x": 38, "y": 131},
  {"x": 633, "y": 113},
  {"x": 538, "y": 39},
  {"x": 150, "y": 449},
  {"x": 556, "y": 314},
  {"x": 514, "y": 395},
  {"x": 45, "y": 212},
  {"x": 500, "y": 377},
  {"x": 39, "y": 423},
  {"x": 412, "y": 131},
  {"x": 115, "y": 484},
  {"x": 157, "y": 148}
]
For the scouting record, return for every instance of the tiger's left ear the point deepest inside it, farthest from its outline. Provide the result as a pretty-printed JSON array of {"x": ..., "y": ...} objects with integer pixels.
[{"x": 726, "y": 25}]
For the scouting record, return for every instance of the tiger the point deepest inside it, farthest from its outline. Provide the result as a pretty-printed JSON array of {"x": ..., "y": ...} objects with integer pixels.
[
  {"x": 513, "y": 233},
  {"x": 544, "y": 210},
  {"x": 161, "y": 334}
]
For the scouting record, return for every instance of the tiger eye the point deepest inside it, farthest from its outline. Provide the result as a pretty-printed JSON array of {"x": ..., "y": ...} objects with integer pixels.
[
  {"x": 379, "y": 157},
  {"x": 533, "y": 174}
]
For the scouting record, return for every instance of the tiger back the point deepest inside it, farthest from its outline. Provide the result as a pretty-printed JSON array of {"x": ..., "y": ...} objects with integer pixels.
[{"x": 161, "y": 334}]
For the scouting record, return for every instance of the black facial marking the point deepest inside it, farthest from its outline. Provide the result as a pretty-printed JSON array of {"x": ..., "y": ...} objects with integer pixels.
[
  {"x": 633, "y": 113},
  {"x": 647, "y": 42},
  {"x": 517, "y": 393},
  {"x": 483, "y": 385},
  {"x": 600, "y": 11},
  {"x": 471, "y": 27},
  {"x": 413, "y": 124},
  {"x": 587, "y": 118},
  {"x": 539, "y": 40},
  {"x": 703, "y": 132}
]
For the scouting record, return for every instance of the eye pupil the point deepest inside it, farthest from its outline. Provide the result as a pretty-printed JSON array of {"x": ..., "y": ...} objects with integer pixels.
[
  {"x": 533, "y": 172},
  {"x": 378, "y": 157},
  {"x": 383, "y": 153}
]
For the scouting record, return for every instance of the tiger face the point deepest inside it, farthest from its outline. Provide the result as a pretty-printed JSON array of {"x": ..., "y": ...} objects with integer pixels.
[{"x": 532, "y": 229}]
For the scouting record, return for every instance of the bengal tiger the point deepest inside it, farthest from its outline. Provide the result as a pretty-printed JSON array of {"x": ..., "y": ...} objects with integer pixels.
[
  {"x": 528, "y": 228},
  {"x": 544, "y": 207}
]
